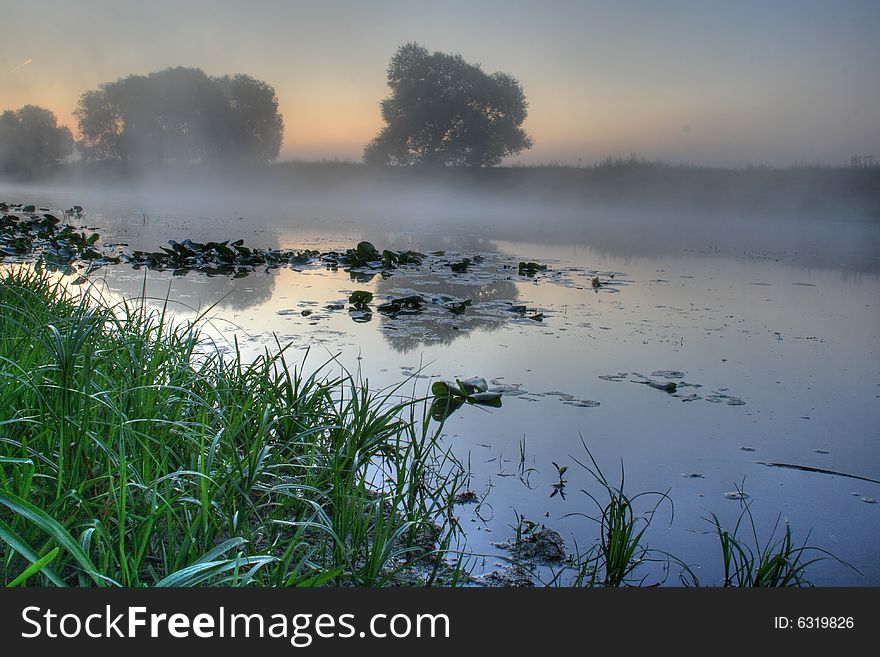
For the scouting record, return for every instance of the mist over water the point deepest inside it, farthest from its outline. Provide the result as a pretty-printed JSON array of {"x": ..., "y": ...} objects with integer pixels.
[{"x": 813, "y": 217}]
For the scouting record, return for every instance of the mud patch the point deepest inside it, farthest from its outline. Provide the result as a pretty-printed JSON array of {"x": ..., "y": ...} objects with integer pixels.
[{"x": 540, "y": 544}]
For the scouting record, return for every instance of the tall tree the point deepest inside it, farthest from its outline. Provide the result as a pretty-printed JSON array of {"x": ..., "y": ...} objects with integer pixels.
[
  {"x": 254, "y": 127},
  {"x": 180, "y": 115},
  {"x": 32, "y": 141},
  {"x": 444, "y": 110}
]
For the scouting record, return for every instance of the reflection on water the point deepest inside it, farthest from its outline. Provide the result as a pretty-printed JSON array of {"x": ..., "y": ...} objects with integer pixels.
[
  {"x": 455, "y": 304},
  {"x": 488, "y": 287},
  {"x": 194, "y": 288},
  {"x": 773, "y": 360}
]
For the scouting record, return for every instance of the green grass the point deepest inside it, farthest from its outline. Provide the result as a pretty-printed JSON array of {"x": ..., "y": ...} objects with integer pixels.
[
  {"x": 134, "y": 453},
  {"x": 775, "y": 562},
  {"x": 619, "y": 556},
  {"x": 615, "y": 560}
]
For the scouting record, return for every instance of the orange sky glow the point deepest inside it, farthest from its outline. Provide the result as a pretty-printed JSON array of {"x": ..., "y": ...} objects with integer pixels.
[{"x": 686, "y": 81}]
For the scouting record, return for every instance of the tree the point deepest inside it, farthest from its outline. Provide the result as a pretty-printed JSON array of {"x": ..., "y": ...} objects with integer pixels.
[
  {"x": 180, "y": 115},
  {"x": 254, "y": 127},
  {"x": 32, "y": 141},
  {"x": 443, "y": 110}
]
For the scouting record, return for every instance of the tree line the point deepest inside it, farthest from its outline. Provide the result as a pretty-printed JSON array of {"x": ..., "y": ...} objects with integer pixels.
[
  {"x": 31, "y": 140},
  {"x": 441, "y": 110}
]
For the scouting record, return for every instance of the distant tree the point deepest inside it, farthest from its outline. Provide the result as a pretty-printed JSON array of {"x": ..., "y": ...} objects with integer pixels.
[
  {"x": 32, "y": 141},
  {"x": 180, "y": 115},
  {"x": 443, "y": 110},
  {"x": 253, "y": 128}
]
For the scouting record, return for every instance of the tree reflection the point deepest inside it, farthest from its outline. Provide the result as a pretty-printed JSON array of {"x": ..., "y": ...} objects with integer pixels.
[{"x": 436, "y": 324}]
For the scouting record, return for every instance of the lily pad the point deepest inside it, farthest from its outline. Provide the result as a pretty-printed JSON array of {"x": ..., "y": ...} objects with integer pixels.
[
  {"x": 443, "y": 407},
  {"x": 530, "y": 268},
  {"x": 450, "y": 395},
  {"x": 486, "y": 398},
  {"x": 360, "y": 299}
]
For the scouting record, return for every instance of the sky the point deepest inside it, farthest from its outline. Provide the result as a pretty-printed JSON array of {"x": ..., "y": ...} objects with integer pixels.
[{"x": 703, "y": 82}]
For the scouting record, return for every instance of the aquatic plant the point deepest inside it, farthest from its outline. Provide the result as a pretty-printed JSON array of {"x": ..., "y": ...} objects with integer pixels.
[
  {"x": 365, "y": 254},
  {"x": 360, "y": 299},
  {"x": 28, "y": 233},
  {"x": 621, "y": 549},
  {"x": 449, "y": 396},
  {"x": 403, "y": 305},
  {"x": 530, "y": 268},
  {"x": 776, "y": 562}
]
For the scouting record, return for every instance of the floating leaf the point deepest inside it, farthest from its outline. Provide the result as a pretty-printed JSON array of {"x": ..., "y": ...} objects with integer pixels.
[
  {"x": 486, "y": 398},
  {"x": 360, "y": 299},
  {"x": 530, "y": 268},
  {"x": 450, "y": 395},
  {"x": 366, "y": 251},
  {"x": 447, "y": 389},
  {"x": 475, "y": 384},
  {"x": 443, "y": 407}
]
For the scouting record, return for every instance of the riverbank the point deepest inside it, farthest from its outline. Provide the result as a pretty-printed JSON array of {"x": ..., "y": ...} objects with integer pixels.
[{"x": 149, "y": 458}]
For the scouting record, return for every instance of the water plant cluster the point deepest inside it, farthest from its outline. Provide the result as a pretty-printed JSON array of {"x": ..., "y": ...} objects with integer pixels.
[
  {"x": 218, "y": 258},
  {"x": 449, "y": 396},
  {"x": 27, "y": 232},
  {"x": 235, "y": 258}
]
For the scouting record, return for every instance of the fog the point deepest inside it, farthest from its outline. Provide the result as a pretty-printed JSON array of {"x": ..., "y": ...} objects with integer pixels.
[{"x": 811, "y": 217}]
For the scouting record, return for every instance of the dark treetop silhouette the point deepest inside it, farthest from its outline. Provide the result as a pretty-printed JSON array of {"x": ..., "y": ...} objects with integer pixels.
[
  {"x": 180, "y": 115},
  {"x": 31, "y": 141},
  {"x": 443, "y": 110}
]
